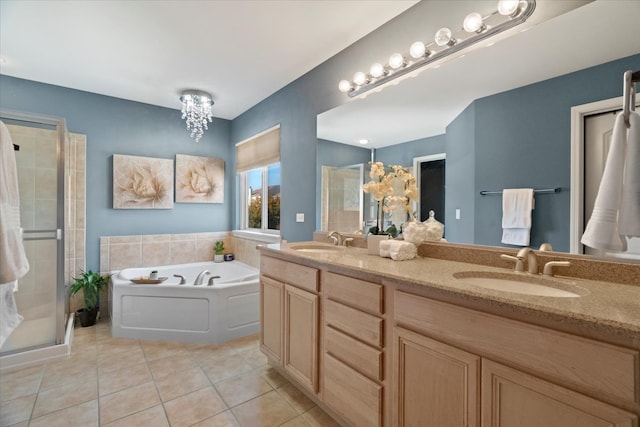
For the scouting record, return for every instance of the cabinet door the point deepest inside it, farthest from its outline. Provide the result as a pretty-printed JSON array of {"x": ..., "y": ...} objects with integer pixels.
[
  {"x": 513, "y": 398},
  {"x": 436, "y": 384},
  {"x": 271, "y": 318},
  {"x": 301, "y": 336}
]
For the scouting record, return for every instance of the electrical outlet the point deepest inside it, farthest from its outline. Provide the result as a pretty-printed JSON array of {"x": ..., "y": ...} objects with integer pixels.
[
  {"x": 457, "y": 213},
  {"x": 299, "y": 217}
]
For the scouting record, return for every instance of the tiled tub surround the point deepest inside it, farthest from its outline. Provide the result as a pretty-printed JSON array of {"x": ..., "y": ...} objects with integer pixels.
[{"x": 124, "y": 382}]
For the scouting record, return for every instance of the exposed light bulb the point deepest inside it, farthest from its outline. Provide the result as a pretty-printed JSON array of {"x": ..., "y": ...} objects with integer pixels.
[
  {"x": 417, "y": 50},
  {"x": 360, "y": 78},
  {"x": 377, "y": 70},
  {"x": 344, "y": 86},
  {"x": 443, "y": 37},
  {"x": 473, "y": 23},
  {"x": 508, "y": 7},
  {"x": 396, "y": 61}
]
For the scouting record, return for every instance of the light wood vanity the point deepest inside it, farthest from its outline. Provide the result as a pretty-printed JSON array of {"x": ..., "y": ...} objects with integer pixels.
[{"x": 381, "y": 343}]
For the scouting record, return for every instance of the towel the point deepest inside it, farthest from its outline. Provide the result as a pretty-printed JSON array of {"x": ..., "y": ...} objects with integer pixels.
[
  {"x": 630, "y": 205},
  {"x": 13, "y": 260},
  {"x": 397, "y": 250},
  {"x": 517, "y": 204},
  {"x": 9, "y": 317},
  {"x": 602, "y": 229}
]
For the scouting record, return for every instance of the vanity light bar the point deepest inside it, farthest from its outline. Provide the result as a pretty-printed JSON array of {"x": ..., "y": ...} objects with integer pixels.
[{"x": 509, "y": 14}]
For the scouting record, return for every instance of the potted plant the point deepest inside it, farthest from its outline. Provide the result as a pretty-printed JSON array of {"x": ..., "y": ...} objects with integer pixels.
[
  {"x": 219, "y": 250},
  {"x": 90, "y": 284}
]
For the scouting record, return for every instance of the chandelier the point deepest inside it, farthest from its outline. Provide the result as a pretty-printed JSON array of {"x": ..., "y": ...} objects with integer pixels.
[
  {"x": 475, "y": 28},
  {"x": 196, "y": 109}
]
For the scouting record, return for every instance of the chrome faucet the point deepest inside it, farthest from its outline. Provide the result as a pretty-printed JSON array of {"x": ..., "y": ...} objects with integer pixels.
[
  {"x": 531, "y": 257},
  {"x": 200, "y": 277},
  {"x": 336, "y": 237},
  {"x": 181, "y": 277},
  {"x": 210, "y": 283}
]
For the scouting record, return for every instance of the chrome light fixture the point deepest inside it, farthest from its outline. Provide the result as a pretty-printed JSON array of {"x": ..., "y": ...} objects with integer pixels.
[
  {"x": 508, "y": 14},
  {"x": 196, "y": 109}
]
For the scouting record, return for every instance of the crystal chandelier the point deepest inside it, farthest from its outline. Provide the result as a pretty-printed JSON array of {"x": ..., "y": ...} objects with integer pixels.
[{"x": 196, "y": 109}]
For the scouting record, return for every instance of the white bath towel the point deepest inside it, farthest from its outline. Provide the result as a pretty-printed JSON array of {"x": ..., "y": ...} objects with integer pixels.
[
  {"x": 630, "y": 205},
  {"x": 9, "y": 317},
  {"x": 13, "y": 260},
  {"x": 397, "y": 250},
  {"x": 517, "y": 204},
  {"x": 602, "y": 229}
]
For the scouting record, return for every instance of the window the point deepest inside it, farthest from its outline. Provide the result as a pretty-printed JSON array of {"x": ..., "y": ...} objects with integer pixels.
[{"x": 258, "y": 167}]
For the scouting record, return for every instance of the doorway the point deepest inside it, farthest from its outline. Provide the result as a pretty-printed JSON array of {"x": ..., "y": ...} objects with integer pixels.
[{"x": 430, "y": 176}]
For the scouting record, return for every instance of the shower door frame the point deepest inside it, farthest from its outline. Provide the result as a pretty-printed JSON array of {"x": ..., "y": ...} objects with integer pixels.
[{"x": 61, "y": 131}]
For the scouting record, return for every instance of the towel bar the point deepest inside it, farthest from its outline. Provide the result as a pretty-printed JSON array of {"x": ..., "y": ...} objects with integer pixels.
[{"x": 543, "y": 191}]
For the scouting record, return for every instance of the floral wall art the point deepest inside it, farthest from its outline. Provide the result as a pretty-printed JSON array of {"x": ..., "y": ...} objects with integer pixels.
[
  {"x": 142, "y": 182},
  {"x": 199, "y": 179}
]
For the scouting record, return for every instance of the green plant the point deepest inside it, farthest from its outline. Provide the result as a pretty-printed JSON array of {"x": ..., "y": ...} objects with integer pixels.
[
  {"x": 90, "y": 284},
  {"x": 219, "y": 247}
]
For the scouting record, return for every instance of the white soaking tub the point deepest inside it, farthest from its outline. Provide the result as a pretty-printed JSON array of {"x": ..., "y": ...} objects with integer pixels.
[{"x": 170, "y": 311}]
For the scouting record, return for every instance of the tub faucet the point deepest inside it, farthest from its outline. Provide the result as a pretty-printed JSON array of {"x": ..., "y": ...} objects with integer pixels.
[
  {"x": 182, "y": 281},
  {"x": 200, "y": 277},
  {"x": 531, "y": 257},
  {"x": 210, "y": 283}
]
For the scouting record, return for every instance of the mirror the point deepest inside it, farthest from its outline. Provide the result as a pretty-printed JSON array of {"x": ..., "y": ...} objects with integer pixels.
[{"x": 502, "y": 115}]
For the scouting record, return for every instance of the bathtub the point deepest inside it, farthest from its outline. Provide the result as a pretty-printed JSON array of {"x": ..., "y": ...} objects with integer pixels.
[{"x": 199, "y": 314}]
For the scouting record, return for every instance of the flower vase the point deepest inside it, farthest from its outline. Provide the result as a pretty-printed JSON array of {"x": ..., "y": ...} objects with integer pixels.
[{"x": 373, "y": 243}]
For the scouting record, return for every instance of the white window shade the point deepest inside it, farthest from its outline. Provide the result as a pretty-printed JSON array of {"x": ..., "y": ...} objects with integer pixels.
[{"x": 260, "y": 150}]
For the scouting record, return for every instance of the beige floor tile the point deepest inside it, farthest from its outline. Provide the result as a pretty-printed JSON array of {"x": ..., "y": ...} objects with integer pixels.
[
  {"x": 267, "y": 410},
  {"x": 171, "y": 365},
  {"x": 159, "y": 350},
  {"x": 256, "y": 358},
  {"x": 112, "y": 362},
  {"x": 67, "y": 395},
  {"x": 271, "y": 376},
  {"x": 225, "y": 419},
  {"x": 124, "y": 378},
  {"x": 20, "y": 383},
  {"x": 318, "y": 418},
  {"x": 226, "y": 368},
  {"x": 83, "y": 415},
  {"x": 81, "y": 341},
  {"x": 126, "y": 402},
  {"x": 298, "y": 421},
  {"x": 16, "y": 410},
  {"x": 152, "y": 417},
  {"x": 112, "y": 346},
  {"x": 295, "y": 398},
  {"x": 246, "y": 345},
  {"x": 68, "y": 371},
  {"x": 210, "y": 354},
  {"x": 79, "y": 332},
  {"x": 241, "y": 388},
  {"x": 181, "y": 383},
  {"x": 194, "y": 407}
]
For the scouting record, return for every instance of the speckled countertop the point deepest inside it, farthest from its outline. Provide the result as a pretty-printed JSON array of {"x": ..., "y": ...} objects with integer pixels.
[{"x": 605, "y": 311}]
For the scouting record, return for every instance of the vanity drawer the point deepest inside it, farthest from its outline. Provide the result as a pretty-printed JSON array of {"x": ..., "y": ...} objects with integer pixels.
[
  {"x": 361, "y": 357},
  {"x": 354, "y": 322},
  {"x": 356, "y": 293},
  {"x": 291, "y": 273},
  {"x": 354, "y": 397},
  {"x": 599, "y": 369}
]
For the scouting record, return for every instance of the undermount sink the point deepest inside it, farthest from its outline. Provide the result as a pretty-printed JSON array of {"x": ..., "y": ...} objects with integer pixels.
[
  {"x": 521, "y": 284},
  {"x": 316, "y": 247}
]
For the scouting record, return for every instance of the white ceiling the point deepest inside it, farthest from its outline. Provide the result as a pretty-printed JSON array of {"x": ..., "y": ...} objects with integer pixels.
[
  {"x": 149, "y": 51},
  {"x": 588, "y": 35}
]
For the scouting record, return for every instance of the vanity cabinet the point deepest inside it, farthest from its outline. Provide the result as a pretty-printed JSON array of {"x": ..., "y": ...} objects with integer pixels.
[
  {"x": 289, "y": 312},
  {"x": 531, "y": 376}
]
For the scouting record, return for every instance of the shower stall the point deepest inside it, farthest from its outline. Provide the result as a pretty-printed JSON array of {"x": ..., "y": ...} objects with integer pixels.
[{"x": 48, "y": 162}]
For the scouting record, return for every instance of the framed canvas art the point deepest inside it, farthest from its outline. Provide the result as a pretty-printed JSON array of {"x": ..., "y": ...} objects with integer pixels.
[
  {"x": 199, "y": 179},
  {"x": 142, "y": 182}
]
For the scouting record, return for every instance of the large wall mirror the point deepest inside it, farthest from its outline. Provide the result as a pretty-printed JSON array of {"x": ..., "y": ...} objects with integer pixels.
[{"x": 502, "y": 117}]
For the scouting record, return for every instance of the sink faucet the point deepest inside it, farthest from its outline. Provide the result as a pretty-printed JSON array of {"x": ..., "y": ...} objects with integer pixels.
[
  {"x": 531, "y": 257},
  {"x": 200, "y": 277},
  {"x": 336, "y": 237}
]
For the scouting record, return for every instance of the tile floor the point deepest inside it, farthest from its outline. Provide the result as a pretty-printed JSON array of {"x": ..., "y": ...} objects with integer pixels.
[{"x": 124, "y": 382}]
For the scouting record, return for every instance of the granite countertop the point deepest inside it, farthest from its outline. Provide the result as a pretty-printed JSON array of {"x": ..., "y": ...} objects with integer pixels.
[{"x": 606, "y": 311}]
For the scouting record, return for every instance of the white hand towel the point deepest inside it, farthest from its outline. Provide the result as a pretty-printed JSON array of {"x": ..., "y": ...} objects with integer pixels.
[
  {"x": 517, "y": 204},
  {"x": 13, "y": 260},
  {"x": 630, "y": 206},
  {"x": 397, "y": 250},
  {"x": 602, "y": 229},
  {"x": 9, "y": 317}
]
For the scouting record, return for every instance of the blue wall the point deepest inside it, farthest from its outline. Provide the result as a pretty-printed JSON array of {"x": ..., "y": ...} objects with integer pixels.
[
  {"x": 403, "y": 154},
  {"x": 117, "y": 126}
]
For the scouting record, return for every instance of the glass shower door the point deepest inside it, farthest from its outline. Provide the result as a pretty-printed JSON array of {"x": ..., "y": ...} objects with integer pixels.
[{"x": 40, "y": 301}]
